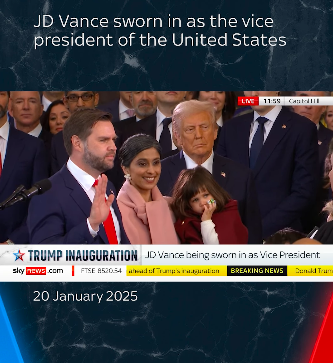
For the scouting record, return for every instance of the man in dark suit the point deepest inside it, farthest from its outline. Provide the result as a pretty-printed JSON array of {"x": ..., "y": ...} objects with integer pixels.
[
  {"x": 281, "y": 149},
  {"x": 313, "y": 216},
  {"x": 196, "y": 129},
  {"x": 76, "y": 210},
  {"x": 26, "y": 109},
  {"x": 121, "y": 108},
  {"x": 22, "y": 162},
  {"x": 157, "y": 125},
  {"x": 144, "y": 104}
]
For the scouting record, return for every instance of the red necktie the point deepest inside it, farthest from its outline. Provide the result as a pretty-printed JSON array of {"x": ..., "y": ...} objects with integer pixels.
[{"x": 109, "y": 226}]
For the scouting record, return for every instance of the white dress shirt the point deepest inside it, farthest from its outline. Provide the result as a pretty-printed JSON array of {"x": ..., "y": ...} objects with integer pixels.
[
  {"x": 36, "y": 131},
  {"x": 45, "y": 102},
  {"x": 219, "y": 121},
  {"x": 271, "y": 116},
  {"x": 86, "y": 181},
  {"x": 4, "y": 134},
  {"x": 208, "y": 164},
  {"x": 122, "y": 111},
  {"x": 159, "y": 127}
]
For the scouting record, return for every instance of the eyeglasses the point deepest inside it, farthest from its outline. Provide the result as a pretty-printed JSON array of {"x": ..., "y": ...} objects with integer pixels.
[{"x": 85, "y": 97}]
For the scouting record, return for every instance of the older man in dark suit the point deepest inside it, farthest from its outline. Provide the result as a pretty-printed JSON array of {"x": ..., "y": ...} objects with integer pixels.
[
  {"x": 196, "y": 129},
  {"x": 76, "y": 210},
  {"x": 281, "y": 148},
  {"x": 22, "y": 162}
]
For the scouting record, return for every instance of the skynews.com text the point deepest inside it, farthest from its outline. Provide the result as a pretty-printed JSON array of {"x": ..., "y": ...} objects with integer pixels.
[{"x": 37, "y": 271}]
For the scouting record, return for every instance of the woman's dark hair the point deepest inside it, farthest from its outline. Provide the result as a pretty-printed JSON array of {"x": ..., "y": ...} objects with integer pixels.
[
  {"x": 134, "y": 145},
  {"x": 45, "y": 119},
  {"x": 191, "y": 182},
  {"x": 284, "y": 236},
  {"x": 229, "y": 106}
]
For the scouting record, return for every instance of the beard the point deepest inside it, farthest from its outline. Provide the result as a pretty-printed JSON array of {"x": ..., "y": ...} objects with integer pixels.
[
  {"x": 96, "y": 162},
  {"x": 3, "y": 111},
  {"x": 145, "y": 111}
]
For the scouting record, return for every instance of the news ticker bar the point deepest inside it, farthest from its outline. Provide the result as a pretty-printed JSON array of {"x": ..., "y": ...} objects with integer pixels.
[
  {"x": 226, "y": 255},
  {"x": 105, "y": 273},
  {"x": 285, "y": 101}
]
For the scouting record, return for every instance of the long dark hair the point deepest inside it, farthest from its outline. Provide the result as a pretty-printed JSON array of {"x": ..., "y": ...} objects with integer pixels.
[
  {"x": 229, "y": 106},
  {"x": 45, "y": 120},
  {"x": 191, "y": 182}
]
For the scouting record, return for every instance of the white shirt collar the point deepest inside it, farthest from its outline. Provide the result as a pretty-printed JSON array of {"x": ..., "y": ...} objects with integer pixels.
[
  {"x": 159, "y": 117},
  {"x": 271, "y": 115},
  {"x": 122, "y": 107},
  {"x": 83, "y": 178},
  {"x": 4, "y": 131},
  {"x": 208, "y": 164},
  {"x": 45, "y": 102},
  {"x": 36, "y": 131},
  {"x": 219, "y": 121}
]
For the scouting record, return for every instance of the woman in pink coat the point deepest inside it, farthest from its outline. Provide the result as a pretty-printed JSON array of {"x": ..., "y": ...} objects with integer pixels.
[{"x": 145, "y": 212}]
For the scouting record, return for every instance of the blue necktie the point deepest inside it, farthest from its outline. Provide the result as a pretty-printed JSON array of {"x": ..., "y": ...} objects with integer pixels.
[
  {"x": 257, "y": 142},
  {"x": 165, "y": 139}
]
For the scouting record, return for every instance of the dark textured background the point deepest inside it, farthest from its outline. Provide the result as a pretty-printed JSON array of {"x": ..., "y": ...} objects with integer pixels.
[
  {"x": 303, "y": 64},
  {"x": 170, "y": 322}
]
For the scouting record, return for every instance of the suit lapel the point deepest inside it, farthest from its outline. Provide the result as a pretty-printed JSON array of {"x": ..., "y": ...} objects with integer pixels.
[
  {"x": 243, "y": 136},
  {"x": 148, "y": 125},
  {"x": 80, "y": 197},
  {"x": 281, "y": 127},
  {"x": 13, "y": 152},
  {"x": 220, "y": 172},
  {"x": 179, "y": 164}
]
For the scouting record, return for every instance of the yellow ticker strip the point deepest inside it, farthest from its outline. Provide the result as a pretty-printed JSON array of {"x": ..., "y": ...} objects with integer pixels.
[
  {"x": 177, "y": 270},
  {"x": 310, "y": 270}
]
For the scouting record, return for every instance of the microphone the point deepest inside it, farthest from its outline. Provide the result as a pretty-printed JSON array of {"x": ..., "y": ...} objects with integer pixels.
[{"x": 24, "y": 194}]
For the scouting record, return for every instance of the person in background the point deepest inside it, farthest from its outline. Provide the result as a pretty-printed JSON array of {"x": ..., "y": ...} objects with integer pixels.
[
  {"x": 312, "y": 216},
  {"x": 55, "y": 117},
  {"x": 281, "y": 148},
  {"x": 224, "y": 103},
  {"x": 26, "y": 109},
  {"x": 204, "y": 211},
  {"x": 121, "y": 108},
  {"x": 157, "y": 125},
  {"x": 22, "y": 162},
  {"x": 329, "y": 117},
  {"x": 50, "y": 96},
  {"x": 145, "y": 212}
]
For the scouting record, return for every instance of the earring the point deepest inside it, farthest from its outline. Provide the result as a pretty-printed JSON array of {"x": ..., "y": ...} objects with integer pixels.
[{"x": 127, "y": 177}]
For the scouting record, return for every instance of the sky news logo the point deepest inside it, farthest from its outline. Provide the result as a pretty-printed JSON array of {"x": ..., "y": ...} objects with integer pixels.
[{"x": 37, "y": 271}]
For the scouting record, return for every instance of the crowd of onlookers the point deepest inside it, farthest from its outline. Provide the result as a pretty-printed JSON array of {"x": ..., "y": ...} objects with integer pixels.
[{"x": 215, "y": 172}]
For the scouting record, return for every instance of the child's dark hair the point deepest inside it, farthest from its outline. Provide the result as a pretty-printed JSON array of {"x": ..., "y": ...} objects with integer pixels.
[
  {"x": 284, "y": 236},
  {"x": 191, "y": 182}
]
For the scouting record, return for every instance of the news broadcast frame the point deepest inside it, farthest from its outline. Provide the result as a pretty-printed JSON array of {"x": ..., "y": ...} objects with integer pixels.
[{"x": 229, "y": 303}]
